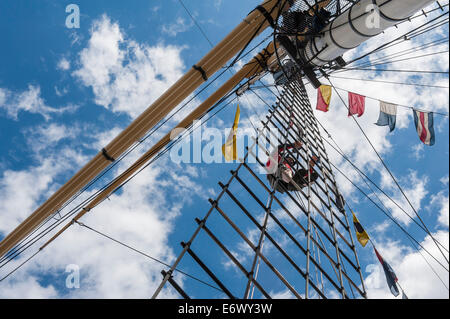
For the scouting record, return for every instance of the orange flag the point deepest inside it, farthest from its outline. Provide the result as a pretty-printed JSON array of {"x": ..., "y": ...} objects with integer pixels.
[{"x": 323, "y": 98}]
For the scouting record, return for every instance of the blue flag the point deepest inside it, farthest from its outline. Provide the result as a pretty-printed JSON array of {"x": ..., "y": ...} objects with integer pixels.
[
  {"x": 391, "y": 278},
  {"x": 388, "y": 115}
]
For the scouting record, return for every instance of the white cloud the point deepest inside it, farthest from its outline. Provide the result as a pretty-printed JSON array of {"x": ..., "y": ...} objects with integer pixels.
[
  {"x": 141, "y": 215},
  {"x": 414, "y": 274},
  {"x": 126, "y": 76},
  {"x": 415, "y": 188},
  {"x": 61, "y": 92},
  {"x": 22, "y": 190},
  {"x": 441, "y": 201},
  {"x": 380, "y": 228},
  {"x": 63, "y": 64},
  {"x": 418, "y": 150},
  {"x": 48, "y": 135},
  {"x": 179, "y": 26},
  {"x": 345, "y": 131},
  {"x": 29, "y": 101},
  {"x": 26, "y": 287}
]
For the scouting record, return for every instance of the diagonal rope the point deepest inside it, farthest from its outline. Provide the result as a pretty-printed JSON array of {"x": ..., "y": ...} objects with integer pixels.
[
  {"x": 390, "y": 173},
  {"x": 364, "y": 177},
  {"x": 144, "y": 254}
]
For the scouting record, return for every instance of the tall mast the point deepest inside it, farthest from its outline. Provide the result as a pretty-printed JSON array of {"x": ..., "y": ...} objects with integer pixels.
[
  {"x": 249, "y": 70},
  {"x": 304, "y": 241},
  {"x": 324, "y": 230},
  {"x": 251, "y": 26}
]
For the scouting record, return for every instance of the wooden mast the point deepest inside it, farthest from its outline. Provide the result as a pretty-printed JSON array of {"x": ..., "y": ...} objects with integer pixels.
[
  {"x": 247, "y": 71},
  {"x": 251, "y": 26}
]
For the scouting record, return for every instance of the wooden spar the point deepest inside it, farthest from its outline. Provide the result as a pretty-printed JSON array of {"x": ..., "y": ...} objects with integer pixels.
[
  {"x": 251, "y": 26},
  {"x": 248, "y": 70}
]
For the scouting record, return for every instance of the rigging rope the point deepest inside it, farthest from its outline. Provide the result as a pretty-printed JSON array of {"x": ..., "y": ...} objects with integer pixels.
[
  {"x": 400, "y": 38},
  {"x": 389, "y": 171},
  {"x": 391, "y": 82},
  {"x": 21, "y": 247},
  {"x": 399, "y": 105},
  {"x": 198, "y": 26},
  {"x": 364, "y": 177},
  {"x": 144, "y": 254},
  {"x": 374, "y": 184},
  {"x": 73, "y": 211},
  {"x": 404, "y": 52},
  {"x": 388, "y": 70},
  {"x": 408, "y": 59},
  {"x": 393, "y": 178}
]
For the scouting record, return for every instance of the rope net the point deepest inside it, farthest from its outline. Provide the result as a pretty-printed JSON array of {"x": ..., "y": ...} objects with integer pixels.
[{"x": 260, "y": 241}]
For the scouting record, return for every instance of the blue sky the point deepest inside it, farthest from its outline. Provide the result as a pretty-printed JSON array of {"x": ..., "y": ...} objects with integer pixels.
[{"x": 65, "y": 93}]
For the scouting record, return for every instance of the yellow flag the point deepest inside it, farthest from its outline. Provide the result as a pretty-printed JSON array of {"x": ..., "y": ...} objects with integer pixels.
[
  {"x": 229, "y": 149},
  {"x": 361, "y": 234}
]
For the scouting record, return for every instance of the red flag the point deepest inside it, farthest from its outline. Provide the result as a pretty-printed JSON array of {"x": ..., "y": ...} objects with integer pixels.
[
  {"x": 356, "y": 104},
  {"x": 323, "y": 98}
]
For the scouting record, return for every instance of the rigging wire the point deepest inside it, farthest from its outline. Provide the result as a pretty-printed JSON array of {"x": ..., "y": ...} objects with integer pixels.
[
  {"x": 168, "y": 147},
  {"x": 410, "y": 58},
  {"x": 71, "y": 213},
  {"x": 399, "y": 105},
  {"x": 429, "y": 28},
  {"x": 144, "y": 254},
  {"x": 397, "y": 71},
  {"x": 16, "y": 251},
  {"x": 391, "y": 82},
  {"x": 375, "y": 186},
  {"x": 364, "y": 177},
  {"x": 388, "y": 215},
  {"x": 198, "y": 26},
  {"x": 400, "y": 38},
  {"x": 405, "y": 52},
  {"x": 390, "y": 173}
]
